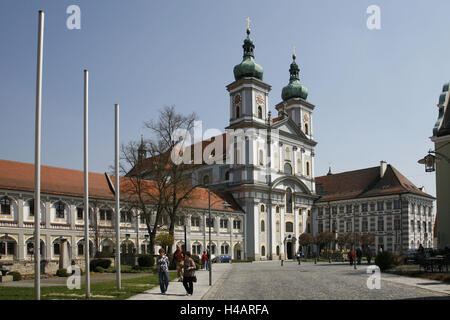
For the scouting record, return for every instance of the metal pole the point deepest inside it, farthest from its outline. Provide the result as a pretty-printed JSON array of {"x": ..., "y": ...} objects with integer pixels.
[
  {"x": 37, "y": 162},
  {"x": 210, "y": 247},
  {"x": 354, "y": 240},
  {"x": 86, "y": 185},
  {"x": 118, "y": 280}
]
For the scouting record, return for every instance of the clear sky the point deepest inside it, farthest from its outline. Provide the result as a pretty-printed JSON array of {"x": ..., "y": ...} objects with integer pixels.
[{"x": 375, "y": 91}]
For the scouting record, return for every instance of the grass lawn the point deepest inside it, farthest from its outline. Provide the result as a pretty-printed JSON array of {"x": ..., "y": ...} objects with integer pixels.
[
  {"x": 100, "y": 291},
  {"x": 413, "y": 271}
]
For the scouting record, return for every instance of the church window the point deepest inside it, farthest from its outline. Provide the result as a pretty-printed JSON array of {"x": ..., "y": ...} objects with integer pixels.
[
  {"x": 263, "y": 208},
  {"x": 278, "y": 250},
  {"x": 277, "y": 209},
  {"x": 289, "y": 227},
  {"x": 263, "y": 251},
  {"x": 307, "y": 168},
  {"x": 306, "y": 129},
  {"x": 260, "y": 113},
  {"x": 288, "y": 200},
  {"x": 287, "y": 168},
  {"x": 5, "y": 206},
  {"x": 263, "y": 226},
  {"x": 238, "y": 112}
]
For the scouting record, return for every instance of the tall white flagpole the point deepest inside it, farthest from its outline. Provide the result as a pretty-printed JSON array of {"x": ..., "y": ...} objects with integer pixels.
[
  {"x": 86, "y": 185},
  {"x": 37, "y": 162},
  {"x": 117, "y": 200}
]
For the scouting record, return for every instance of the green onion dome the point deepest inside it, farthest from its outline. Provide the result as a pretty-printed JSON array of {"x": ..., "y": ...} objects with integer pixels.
[
  {"x": 294, "y": 89},
  {"x": 248, "y": 67}
]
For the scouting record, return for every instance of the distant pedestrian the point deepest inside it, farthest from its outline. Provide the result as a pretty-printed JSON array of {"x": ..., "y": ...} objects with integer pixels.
[
  {"x": 368, "y": 255},
  {"x": 359, "y": 255},
  {"x": 204, "y": 260},
  {"x": 350, "y": 256},
  {"x": 189, "y": 274},
  {"x": 163, "y": 270},
  {"x": 179, "y": 257}
]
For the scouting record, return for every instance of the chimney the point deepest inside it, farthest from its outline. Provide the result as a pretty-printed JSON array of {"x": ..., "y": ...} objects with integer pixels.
[{"x": 383, "y": 167}]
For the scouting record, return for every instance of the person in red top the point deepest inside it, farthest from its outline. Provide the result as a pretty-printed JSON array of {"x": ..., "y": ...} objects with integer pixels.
[
  {"x": 179, "y": 260},
  {"x": 351, "y": 256},
  {"x": 204, "y": 260}
]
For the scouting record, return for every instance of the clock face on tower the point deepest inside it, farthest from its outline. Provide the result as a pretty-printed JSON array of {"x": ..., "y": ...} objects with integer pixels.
[
  {"x": 305, "y": 117},
  {"x": 259, "y": 99},
  {"x": 237, "y": 99}
]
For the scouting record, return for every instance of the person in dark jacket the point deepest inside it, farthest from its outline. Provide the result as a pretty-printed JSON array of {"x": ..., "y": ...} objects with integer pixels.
[
  {"x": 359, "y": 255},
  {"x": 189, "y": 273},
  {"x": 368, "y": 255}
]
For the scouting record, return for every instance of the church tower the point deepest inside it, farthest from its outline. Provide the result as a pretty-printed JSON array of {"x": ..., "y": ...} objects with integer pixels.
[
  {"x": 294, "y": 102},
  {"x": 249, "y": 105}
]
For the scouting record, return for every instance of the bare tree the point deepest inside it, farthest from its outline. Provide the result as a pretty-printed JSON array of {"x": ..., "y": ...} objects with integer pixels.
[
  {"x": 148, "y": 198},
  {"x": 180, "y": 183}
]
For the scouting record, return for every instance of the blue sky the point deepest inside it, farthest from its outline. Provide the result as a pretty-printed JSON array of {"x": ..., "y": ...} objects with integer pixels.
[{"x": 375, "y": 91}]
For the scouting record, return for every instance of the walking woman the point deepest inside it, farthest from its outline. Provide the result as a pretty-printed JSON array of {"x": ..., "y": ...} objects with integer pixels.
[
  {"x": 163, "y": 270},
  {"x": 189, "y": 274}
]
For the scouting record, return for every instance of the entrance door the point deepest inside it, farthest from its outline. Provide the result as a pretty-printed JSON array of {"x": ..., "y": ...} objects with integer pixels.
[{"x": 289, "y": 250}]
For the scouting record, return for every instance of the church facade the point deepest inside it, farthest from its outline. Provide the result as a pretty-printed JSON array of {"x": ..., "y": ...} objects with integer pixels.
[{"x": 269, "y": 162}]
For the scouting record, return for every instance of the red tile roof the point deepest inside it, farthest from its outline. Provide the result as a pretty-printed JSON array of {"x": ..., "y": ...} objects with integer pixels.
[
  {"x": 19, "y": 176},
  {"x": 364, "y": 183}
]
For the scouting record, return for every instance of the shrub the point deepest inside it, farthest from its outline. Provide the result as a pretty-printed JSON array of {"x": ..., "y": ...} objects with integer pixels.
[
  {"x": 99, "y": 269},
  {"x": 104, "y": 263},
  {"x": 196, "y": 258},
  {"x": 146, "y": 260},
  {"x": 384, "y": 260},
  {"x": 16, "y": 275},
  {"x": 398, "y": 259},
  {"x": 62, "y": 273}
]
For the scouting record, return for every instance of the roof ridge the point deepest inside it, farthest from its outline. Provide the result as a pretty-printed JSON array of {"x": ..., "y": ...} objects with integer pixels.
[{"x": 351, "y": 171}]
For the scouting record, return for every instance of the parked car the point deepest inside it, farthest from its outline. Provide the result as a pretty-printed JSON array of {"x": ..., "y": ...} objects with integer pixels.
[
  {"x": 411, "y": 255},
  {"x": 222, "y": 258}
]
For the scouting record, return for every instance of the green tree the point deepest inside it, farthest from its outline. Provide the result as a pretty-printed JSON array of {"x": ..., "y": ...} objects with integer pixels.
[{"x": 165, "y": 240}]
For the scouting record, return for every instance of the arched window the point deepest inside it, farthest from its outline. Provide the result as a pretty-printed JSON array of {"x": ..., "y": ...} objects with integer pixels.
[
  {"x": 263, "y": 251},
  {"x": 227, "y": 175},
  {"x": 263, "y": 208},
  {"x": 307, "y": 168},
  {"x": 5, "y": 206},
  {"x": 287, "y": 168},
  {"x": 278, "y": 250},
  {"x": 289, "y": 227},
  {"x": 263, "y": 226},
  {"x": 261, "y": 157},
  {"x": 260, "y": 113},
  {"x": 288, "y": 200},
  {"x": 205, "y": 179},
  {"x": 306, "y": 129},
  {"x": 238, "y": 112},
  {"x": 277, "y": 209},
  {"x": 59, "y": 210}
]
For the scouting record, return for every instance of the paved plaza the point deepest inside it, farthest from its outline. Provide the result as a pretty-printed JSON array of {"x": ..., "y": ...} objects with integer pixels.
[{"x": 309, "y": 281}]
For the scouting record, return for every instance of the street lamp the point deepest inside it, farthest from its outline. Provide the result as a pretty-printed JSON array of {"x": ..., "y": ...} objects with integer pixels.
[{"x": 430, "y": 160}]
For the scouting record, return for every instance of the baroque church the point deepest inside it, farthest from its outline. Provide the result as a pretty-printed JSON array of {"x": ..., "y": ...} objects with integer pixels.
[{"x": 271, "y": 172}]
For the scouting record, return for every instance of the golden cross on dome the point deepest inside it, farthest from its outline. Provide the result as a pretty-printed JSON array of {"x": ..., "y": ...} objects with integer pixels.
[
  {"x": 293, "y": 55},
  {"x": 248, "y": 22}
]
